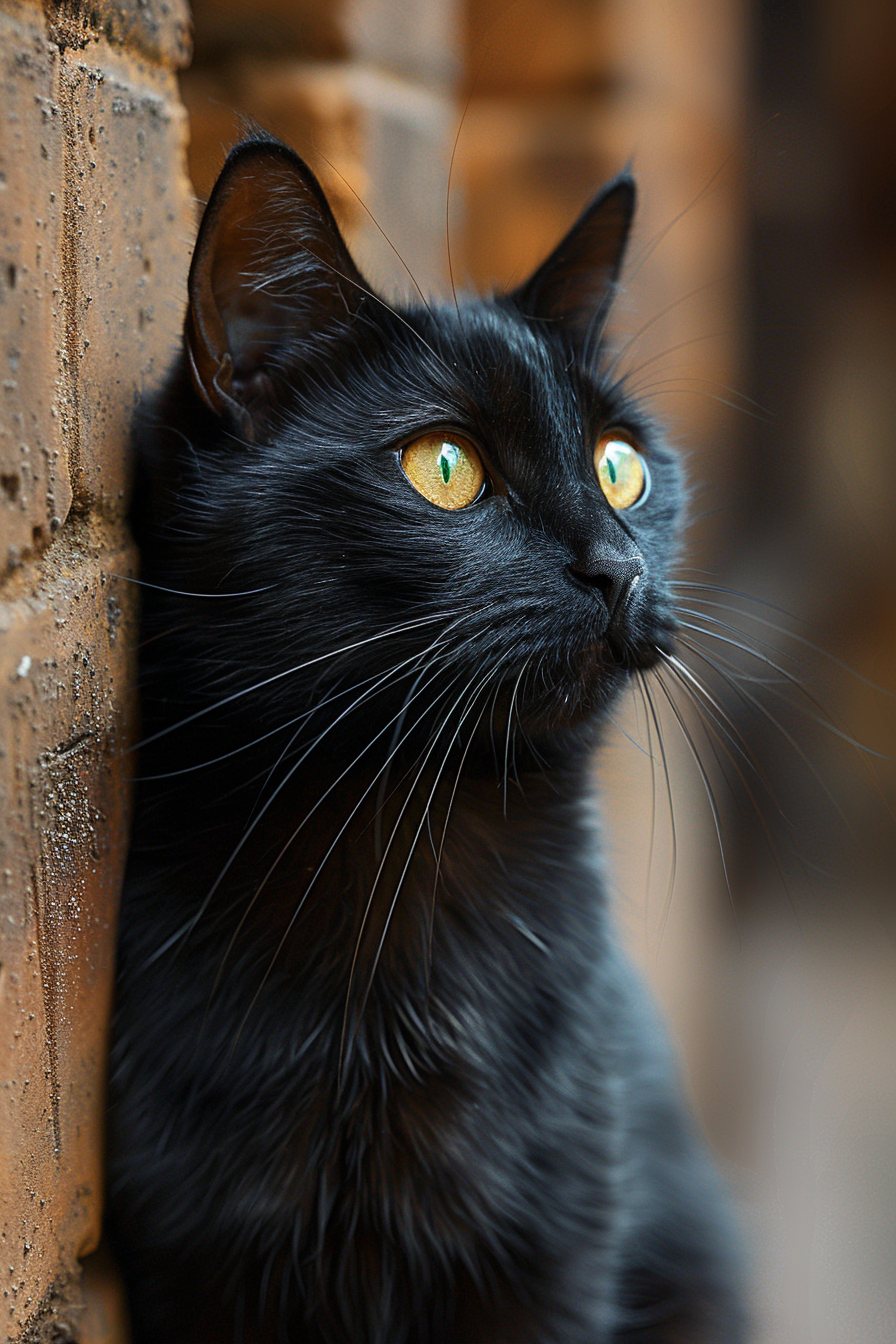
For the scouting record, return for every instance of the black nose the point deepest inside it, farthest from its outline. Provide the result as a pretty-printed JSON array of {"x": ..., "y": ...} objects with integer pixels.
[{"x": 614, "y": 575}]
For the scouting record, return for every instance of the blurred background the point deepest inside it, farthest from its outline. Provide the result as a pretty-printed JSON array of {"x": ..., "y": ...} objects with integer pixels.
[{"x": 759, "y": 321}]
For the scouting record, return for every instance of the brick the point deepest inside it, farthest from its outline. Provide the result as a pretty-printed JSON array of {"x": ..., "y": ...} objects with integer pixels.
[
  {"x": 129, "y": 227},
  {"x": 416, "y": 38},
  {"x": 306, "y": 28},
  {"x": 368, "y": 135},
  {"x": 96, "y": 221},
  {"x": 35, "y": 493},
  {"x": 159, "y": 30},
  {"x": 535, "y": 48},
  {"x": 66, "y": 662},
  {"x": 307, "y": 105},
  {"x": 95, "y": 233},
  {"x": 526, "y": 168}
]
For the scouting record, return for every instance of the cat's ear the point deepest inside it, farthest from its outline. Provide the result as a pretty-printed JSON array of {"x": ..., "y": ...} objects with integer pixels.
[
  {"x": 270, "y": 268},
  {"x": 575, "y": 286}
]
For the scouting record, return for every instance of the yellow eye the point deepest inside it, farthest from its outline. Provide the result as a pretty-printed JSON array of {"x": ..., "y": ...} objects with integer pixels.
[
  {"x": 446, "y": 469},
  {"x": 621, "y": 471}
]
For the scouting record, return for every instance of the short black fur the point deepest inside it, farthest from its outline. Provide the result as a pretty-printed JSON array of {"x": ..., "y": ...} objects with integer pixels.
[{"x": 381, "y": 1073}]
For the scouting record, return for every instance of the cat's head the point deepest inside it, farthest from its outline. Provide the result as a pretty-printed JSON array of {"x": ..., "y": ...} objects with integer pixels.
[{"x": 461, "y": 498}]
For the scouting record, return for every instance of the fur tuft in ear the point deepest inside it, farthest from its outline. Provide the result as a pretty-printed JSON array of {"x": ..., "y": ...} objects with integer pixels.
[
  {"x": 574, "y": 287},
  {"x": 270, "y": 268}
]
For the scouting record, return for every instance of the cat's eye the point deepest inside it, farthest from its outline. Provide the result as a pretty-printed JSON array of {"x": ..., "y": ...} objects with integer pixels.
[
  {"x": 621, "y": 471},
  {"x": 445, "y": 468}
]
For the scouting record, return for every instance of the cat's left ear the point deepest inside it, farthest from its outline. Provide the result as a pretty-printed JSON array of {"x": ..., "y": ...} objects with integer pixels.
[
  {"x": 575, "y": 286},
  {"x": 270, "y": 269}
]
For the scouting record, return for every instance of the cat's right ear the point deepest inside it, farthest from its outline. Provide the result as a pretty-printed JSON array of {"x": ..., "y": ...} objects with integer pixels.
[
  {"x": 270, "y": 268},
  {"x": 574, "y": 288}
]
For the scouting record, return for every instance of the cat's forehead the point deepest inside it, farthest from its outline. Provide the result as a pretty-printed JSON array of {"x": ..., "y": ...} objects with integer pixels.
[{"x": 519, "y": 377}]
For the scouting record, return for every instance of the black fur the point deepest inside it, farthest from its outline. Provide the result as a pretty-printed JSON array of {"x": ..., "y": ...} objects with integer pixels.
[{"x": 381, "y": 1074}]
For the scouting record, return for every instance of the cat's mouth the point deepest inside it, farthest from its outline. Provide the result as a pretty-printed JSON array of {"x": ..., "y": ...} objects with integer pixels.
[
  {"x": 579, "y": 684},
  {"x": 605, "y": 663}
]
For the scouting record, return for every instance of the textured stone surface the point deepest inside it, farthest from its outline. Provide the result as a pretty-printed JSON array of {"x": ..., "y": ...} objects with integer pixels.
[
  {"x": 157, "y": 29},
  {"x": 35, "y": 491},
  {"x": 128, "y": 227},
  {"x": 96, "y": 221},
  {"x": 66, "y": 645}
]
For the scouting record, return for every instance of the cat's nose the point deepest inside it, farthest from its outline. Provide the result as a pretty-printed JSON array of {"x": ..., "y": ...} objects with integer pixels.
[{"x": 615, "y": 576}]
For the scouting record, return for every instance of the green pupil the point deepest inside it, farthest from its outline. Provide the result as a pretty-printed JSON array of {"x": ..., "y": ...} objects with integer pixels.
[
  {"x": 447, "y": 461},
  {"x": 611, "y": 469}
]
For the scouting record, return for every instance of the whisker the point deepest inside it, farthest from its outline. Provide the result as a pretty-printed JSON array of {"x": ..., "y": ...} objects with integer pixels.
[
  {"x": 725, "y": 722},
  {"x": 438, "y": 857},
  {"x": 247, "y": 746},
  {"x": 707, "y": 785},
  {"x": 780, "y": 629},
  {"x": 187, "y": 928},
  {"x": 649, "y": 248},
  {"x": 650, "y": 853},
  {"x": 178, "y": 592},
  {"x": 673, "y": 870},
  {"x": 377, "y": 298},
  {"x": 714, "y": 727},
  {"x": 379, "y": 872},
  {"x": 762, "y": 709},
  {"x": 413, "y": 845},
  {"x": 376, "y": 224},
  {"x": 507, "y": 735},
  {"x": 319, "y": 868},
  {"x": 642, "y": 331},
  {"x": 288, "y": 672},
  {"x": 629, "y": 377},
  {"x": 822, "y": 719}
]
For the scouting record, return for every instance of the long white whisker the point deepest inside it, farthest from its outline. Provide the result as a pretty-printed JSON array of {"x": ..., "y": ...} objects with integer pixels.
[
  {"x": 707, "y": 785},
  {"x": 288, "y": 672},
  {"x": 324, "y": 860},
  {"x": 187, "y": 928},
  {"x": 382, "y": 864},
  {"x": 673, "y": 866}
]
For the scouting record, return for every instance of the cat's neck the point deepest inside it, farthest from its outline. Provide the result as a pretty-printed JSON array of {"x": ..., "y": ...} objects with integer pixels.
[{"x": 371, "y": 867}]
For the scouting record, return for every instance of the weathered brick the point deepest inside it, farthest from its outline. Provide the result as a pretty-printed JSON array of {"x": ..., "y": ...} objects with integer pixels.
[
  {"x": 159, "y": 30},
  {"x": 96, "y": 221},
  {"x": 35, "y": 493},
  {"x": 66, "y": 661},
  {"x": 129, "y": 226}
]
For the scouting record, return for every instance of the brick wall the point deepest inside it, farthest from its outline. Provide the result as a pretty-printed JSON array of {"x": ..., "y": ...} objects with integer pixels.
[{"x": 95, "y": 225}]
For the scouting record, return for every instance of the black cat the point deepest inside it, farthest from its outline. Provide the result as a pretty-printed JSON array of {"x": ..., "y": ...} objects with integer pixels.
[{"x": 381, "y": 1073}]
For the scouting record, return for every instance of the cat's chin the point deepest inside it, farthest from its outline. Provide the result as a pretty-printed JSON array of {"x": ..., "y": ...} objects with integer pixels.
[{"x": 589, "y": 682}]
